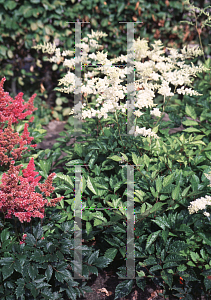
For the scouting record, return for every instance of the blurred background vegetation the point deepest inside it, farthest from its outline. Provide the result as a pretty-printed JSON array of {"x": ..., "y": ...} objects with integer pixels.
[{"x": 25, "y": 23}]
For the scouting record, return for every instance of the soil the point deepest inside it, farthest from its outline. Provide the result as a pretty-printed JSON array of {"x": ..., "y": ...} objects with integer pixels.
[{"x": 104, "y": 284}]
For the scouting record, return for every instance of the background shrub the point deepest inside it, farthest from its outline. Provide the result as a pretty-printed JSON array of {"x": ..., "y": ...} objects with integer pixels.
[{"x": 30, "y": 22}]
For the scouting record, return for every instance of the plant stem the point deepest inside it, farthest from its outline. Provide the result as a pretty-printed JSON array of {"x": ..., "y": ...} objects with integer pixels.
[{"x": 199, "y": 34}]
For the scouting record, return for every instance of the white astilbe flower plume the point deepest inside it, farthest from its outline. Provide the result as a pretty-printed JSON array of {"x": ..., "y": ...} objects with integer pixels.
[
  {"x": 153, "y": 75},
  {"x": 201, "y": 203}
]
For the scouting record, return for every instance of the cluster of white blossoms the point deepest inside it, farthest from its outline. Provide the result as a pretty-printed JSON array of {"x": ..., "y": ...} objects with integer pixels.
[
  {"x": 145, "y": 132},
  {"x": 154, "y": 74},
  {"x": 201, "y": 203}
]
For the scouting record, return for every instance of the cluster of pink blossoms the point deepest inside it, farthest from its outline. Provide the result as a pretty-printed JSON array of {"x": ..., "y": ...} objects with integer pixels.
[
  {"x": 14, "y": 107},
  {"x": 12, "y": 111},
  {"x": 21, "y": 200},
  {"x": 17, "y": 193}
]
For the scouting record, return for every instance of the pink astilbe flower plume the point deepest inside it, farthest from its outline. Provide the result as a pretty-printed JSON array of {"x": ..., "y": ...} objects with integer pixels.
[
  {"x": 12, "y": 111},
  {"x": 21, "y": 200},
  {"x": 14, "y": 107},
  {"x": 9, "y": 139}
]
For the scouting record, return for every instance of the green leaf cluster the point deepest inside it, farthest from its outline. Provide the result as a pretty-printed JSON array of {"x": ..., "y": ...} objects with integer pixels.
[
  {"x": 168, "y": 175},
  {"x": 43, "y": 267}
]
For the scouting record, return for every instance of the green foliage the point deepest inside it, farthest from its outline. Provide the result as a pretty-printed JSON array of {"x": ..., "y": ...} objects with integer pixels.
[
  {"x": 24, "y": 25},
  {"x": 168, "y": 175},
  {"x": 43, "y": 267}
]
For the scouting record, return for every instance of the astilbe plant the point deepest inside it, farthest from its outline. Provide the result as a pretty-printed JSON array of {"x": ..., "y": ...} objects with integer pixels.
[
  {"x": 17, "y": 196},
  {"x": 9, "y": 139},
  {"x": 20, "y": 200},
  {"x": 14, "y": 107},
  {"x": 11, "y": 110},
  {"x": 156, "y": 75}
]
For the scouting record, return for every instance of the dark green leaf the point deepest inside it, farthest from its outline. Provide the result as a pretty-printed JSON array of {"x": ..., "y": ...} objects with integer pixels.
[
  {"x": 5, "y": 235},
  {"x": 48, "y": 272},
  {"x": 38, "y": 232},
  {"x": 32, "y": 270},
  {"x": 7, "y": 270},
  {"x": 102, "y": 262},
  {"x": 93, "y": 257},
  {"x": 123, "y": 289},
  {"x": 20, "y": 287},
  {"x": 30, "y": 240}
]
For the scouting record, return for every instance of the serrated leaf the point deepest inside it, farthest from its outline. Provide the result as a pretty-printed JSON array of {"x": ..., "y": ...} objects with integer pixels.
[
  {"x": 65, "y": 178},
  {"x": 71, "y": 293},
  {"x": 124, "y": 156},
  {"x": 189, "y": 123},
  {"x": 158, "y": 184},
  {"x": 88, "y": 227},
  {"x": 37, "y": 231},
  {"x": 135, "y": 159},
  {"x": 42, "y": 285},
  {"x": 30, "y": 240},
  {"x": 190, "y": 263},
  {"x": 17, "y": 266},
  {"x": 45, "y": 165},
  {"x": 32, "y": 270},
  {"x": 93, "y": 257},
  {"x": 181, "y": 268},
  {"x": 141, "y": 274},
  {"x": 190, "y": 111},
  {"x": 146, "y": 160},
  {"x": 140, "y": 194},
  {"x": 123, "y": 289},
  {"x": 115, "y": 158},
  {"x": 184, "y": 193},
  {"x": 91, "y": 186},
  {"x": 111, "y": 253},
  {"x": 156, "y": 207},
  {"x": 102, "y": 262},
  {"x": 168, "y": 180},
  {"x": 191, "y": 129},
  {"x": 175, "y": 192},
  {"x": 6, "y": 260},
  {"x": 141, "y": 283},
  {"x": 152, "y": 237},
  {"x": 161, "y": 222},
  {"x": 195, "y": 256},
  {"x": 155, "y": 268},
  {"x": 198, "y": 142},
  {"x": 62, "y": 275},
  {"x": 7, "y": 270},
  {"x": 19, "y": 291}
]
